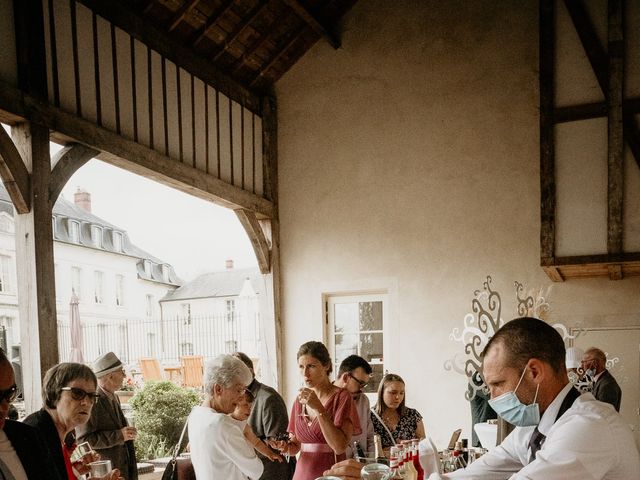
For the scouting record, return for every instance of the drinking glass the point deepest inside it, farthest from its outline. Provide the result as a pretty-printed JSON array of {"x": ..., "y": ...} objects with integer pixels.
[
  {"x": 328, "y": 477},
  {"x": 100, "y": 468},
  {"x": 130, "y": 417},
  {"x": 376, "y": 471}
]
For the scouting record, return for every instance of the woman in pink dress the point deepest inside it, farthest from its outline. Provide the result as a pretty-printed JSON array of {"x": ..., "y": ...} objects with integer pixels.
[{"x": 323, "y": 417}]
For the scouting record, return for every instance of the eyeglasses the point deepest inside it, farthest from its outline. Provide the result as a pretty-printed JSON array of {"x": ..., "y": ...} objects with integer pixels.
[
  {"x": 79, "y": 394},
  {"x": 360, "y": 382},
  {"x": 9, "y": 395}
]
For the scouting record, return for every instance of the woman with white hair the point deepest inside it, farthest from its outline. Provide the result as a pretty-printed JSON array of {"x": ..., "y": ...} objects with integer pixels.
[{"x": 218, "y": 446}]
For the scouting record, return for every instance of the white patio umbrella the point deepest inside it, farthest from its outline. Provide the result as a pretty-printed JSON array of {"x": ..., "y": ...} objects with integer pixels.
[{"x": 77, "y": 343}]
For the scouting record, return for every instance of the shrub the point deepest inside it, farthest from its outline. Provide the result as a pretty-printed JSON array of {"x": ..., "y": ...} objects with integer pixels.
[{"x": 161, "y": 409}]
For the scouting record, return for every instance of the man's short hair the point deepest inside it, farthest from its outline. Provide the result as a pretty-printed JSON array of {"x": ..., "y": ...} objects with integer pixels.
[
  {"x": 525, "y": 338},
  {"x": 352, "y": 362},
  {"x": 61, "y": 375},
  {"x": 597, "y": 354},
  {"x": 245, "y": 359}
]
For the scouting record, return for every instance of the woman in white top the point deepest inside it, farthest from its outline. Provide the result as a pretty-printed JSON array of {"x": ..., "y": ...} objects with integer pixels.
[{"x": 218, "y": 447}]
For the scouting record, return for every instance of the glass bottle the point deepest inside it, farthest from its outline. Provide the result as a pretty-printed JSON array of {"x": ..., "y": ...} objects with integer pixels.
[{"x": 379, "y": 452}]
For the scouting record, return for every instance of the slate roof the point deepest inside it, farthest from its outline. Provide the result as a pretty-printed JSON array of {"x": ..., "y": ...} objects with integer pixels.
[
  {"x": 65, "y": 211},
  {"x": 226, "y": 283}
]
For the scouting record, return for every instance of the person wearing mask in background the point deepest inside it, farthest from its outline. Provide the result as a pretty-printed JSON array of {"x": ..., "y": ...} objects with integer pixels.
[
  {"x": 107, "y": 431},
  {"x": 605, "y": 387},
  {"x": 268, "y": 418},
  {"x": 353, "y": 375},
  {"x": 23, "y": 454}
]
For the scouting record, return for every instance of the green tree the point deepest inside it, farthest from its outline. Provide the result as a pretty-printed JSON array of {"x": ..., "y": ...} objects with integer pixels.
[{"x": 161, "y": 410}]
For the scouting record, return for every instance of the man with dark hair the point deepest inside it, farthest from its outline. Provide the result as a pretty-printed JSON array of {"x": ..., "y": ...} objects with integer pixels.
[
  {"x": 268, "y": 418},
  {"x": 23, "y": 454},
  {"x": 559, "y": 434},
  {"x": 353, "y": 375},
  {"x": 605, "y": 387}
]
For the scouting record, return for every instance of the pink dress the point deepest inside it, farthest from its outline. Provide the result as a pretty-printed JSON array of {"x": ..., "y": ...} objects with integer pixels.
[{"x": 316, "y": 455}]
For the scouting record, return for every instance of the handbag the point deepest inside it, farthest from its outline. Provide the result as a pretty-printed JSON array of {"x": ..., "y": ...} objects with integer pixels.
[{"x": 179, "y": 468}]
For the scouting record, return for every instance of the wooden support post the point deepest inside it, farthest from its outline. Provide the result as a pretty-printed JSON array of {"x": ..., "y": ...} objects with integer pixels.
[
  {"x": 257, "y": 237},
  {"x": 34, "y": 257},
  {"x": 615, "y": 164},
  {"x": 270, "y": 176},
  {"x": 547, "y": 146}
]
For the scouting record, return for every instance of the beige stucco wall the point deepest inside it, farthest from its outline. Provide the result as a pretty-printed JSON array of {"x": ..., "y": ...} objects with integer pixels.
[{"x": 409, "y": 162}]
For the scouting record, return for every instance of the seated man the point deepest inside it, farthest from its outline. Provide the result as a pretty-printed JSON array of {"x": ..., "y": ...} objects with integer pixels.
[{"x": 559, "y": 434}]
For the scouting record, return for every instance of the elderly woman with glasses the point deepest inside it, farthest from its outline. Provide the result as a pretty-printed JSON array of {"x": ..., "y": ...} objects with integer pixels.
[
  {"x": 218, "y": 446},
  {"x": 392, "y": 420},
  {"x": 68, "y": 394}
]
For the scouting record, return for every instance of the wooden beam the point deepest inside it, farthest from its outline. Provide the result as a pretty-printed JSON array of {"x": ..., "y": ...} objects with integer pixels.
[
  {"x": 295, "y": 36},
  {"x": 120, "y": 15},
  {"x": 588, "y": 111},
  {"x": 14, "y": 174},
  {"x": 317, "y": 26},
  {"x": 133, "y": 156},
  {"x": 599, "y": 63},
  {"x": 211, "y": 22},
  {"x": 36, "y": 276},
  {"x": 554, "y": 274},
  {"x": 180, "y": 14},
  {"x": 547, "y": 140},
  {"x": 615, "y": 148},
  {"x": 602, "y": 259},
  {"x": 615, "y": 272},
  {"x": 252, "y": 226},
  {"x": 233, "y": 36},
  {"x": 65, "y": 163}
]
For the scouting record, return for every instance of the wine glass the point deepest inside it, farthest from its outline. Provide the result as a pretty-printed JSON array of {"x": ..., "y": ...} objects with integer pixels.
[
  {"x": 376, "y": 471},
  {"x": 100, "y": 468}
]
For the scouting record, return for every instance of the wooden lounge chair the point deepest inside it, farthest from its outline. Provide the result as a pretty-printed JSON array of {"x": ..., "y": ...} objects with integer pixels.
[
  {"x": 150, "y": 368},
  {"x": 192, "y": 370}
]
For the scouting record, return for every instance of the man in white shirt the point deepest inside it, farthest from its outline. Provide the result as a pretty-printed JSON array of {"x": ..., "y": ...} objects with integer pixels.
[
  {"x": 353, "y": 375},
  {"x": 560, "y": 434}
]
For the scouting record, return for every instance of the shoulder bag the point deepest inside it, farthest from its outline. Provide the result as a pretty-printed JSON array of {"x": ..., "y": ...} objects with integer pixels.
[{"x": 179, "y": 468}]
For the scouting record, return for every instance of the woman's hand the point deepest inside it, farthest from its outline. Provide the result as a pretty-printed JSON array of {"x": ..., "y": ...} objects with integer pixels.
[
  {"x": 274, "y": 457},
  {"x": 308, "y": 397},
  {"x": 280, "y": 445},
  {"x": 82, "y": 466},
  {"x": 346, "y": 470}
]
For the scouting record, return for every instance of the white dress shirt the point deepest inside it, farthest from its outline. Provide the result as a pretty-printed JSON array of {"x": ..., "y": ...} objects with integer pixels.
[
  {"x": 590, "y": 441},
  {"x": 219, "y": 449},
  {"x": 365, "y": 439}
]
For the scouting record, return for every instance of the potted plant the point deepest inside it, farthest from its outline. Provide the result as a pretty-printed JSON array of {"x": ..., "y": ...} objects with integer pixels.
[{"x": 126, "y": 391}]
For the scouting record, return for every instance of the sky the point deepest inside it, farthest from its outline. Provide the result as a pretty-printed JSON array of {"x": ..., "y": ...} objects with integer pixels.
[{"x": 193, "y": 235}]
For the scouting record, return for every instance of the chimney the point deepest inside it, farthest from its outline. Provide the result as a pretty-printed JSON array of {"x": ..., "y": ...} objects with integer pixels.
[
  {"x": 82, "y": 199},
  {"x": 229, "y": 264}
]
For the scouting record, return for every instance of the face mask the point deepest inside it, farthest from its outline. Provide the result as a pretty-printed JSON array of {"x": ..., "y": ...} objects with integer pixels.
[
  {"x": 591, "y": 372},
  {"x": 509, "y": 407}
]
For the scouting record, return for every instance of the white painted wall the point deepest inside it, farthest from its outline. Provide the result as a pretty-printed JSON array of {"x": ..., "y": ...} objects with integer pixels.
[{"x": 409, "y": 162}]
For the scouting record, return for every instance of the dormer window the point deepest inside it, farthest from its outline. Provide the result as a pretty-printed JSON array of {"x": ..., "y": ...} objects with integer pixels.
[
  {"x": 74, "y": 231},
  {"x": 117, "y": 241},
  {"x": 96, "y": 236},
  {"x": 147, "y": 268},
  {"x": 165, "y": 272}
]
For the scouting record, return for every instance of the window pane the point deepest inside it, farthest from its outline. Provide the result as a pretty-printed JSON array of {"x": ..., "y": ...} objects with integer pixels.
[
  {"x": 346, "y": 317},
  {"x": 371, "y": 347},
  {"x": 370, "y": 316},
  {"x": 376, "y": 377},
  {"x": 345, "y": 345}
]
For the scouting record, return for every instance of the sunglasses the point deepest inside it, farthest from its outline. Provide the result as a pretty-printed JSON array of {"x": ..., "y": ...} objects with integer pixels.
[
  {"x": 360, "y": 382},
  {"x": 9, "y": 395},
  {"x": 79, "y": 394}
]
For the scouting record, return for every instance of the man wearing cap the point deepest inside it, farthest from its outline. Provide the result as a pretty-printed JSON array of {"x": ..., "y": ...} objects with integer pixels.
[{"x": 107, "y": 429}]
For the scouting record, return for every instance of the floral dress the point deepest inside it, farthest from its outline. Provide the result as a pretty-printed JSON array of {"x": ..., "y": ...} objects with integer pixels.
[
  {"x": 315, "y": 454},
  {"x": 405, "y": 430}
]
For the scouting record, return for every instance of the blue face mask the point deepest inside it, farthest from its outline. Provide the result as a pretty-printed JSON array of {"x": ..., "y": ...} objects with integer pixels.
[{"x": 509, "y": 407}]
